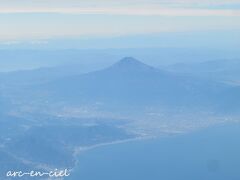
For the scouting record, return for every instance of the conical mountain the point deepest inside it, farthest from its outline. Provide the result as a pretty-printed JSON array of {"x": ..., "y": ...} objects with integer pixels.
[
  {"x": 131, "y": 64},
  {"x": 130, "y": 82}
]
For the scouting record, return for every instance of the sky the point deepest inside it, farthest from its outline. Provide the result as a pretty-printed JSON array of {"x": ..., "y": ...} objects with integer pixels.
[{"x": 38, "y": 21}]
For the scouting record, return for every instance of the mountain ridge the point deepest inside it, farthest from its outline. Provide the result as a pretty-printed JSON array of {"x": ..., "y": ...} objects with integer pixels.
[{"x": 138, "y": 86}]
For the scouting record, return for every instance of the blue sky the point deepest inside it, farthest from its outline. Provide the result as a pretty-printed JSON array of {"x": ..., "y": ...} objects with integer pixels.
[{"x": 40, "y": 20}]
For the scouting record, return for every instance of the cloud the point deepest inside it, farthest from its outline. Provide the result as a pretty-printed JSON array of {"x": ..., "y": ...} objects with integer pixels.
[
  {"x": 43, "y": 19},
  {"x": 114, "y": 3},
  {"x": 125, "y": 7},
  {"x": 148, "y": 11},
  {"x": 9, "y": 43}
]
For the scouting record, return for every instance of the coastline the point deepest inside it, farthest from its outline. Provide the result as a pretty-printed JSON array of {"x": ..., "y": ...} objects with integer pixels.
[{"x": 84, "y": 149}]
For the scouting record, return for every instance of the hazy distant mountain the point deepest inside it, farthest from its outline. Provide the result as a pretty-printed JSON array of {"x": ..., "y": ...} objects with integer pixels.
[
  {"x": 131, "y": 83},
  {"x": 223, "y": 70},
  {"x": 92, "y": 59},
  {"x": 17, "y": 59},
  {"x": 41, "y": 75}
]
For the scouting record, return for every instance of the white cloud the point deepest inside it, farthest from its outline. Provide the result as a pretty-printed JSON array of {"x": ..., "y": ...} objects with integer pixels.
[
  {"x": 9, "y": 43},
  {"x": 122, "y": 7},
  {"x": 48, "y": 3},
  {"x": 148, "y": 11},
  {"x": 145, "y": 16}
]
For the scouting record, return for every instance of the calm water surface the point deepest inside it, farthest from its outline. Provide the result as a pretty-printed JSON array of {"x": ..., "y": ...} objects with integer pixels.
[{"x": 210, "y": 154}]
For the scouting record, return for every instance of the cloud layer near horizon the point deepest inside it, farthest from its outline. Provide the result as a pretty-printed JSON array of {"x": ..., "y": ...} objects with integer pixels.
[
  {"x": 125, "y": 7},
  {"x": 43, "y": 19},
  {"x": 148, "y": 11}
]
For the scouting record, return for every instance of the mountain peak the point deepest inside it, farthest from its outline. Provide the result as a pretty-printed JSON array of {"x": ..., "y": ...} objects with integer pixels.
[
  {"x": 130, "y": 63},
  {"x": 129, "y": 60}
]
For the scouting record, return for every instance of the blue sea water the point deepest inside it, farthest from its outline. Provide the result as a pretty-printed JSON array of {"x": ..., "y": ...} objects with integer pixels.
[{"x": 209, "y": 154}]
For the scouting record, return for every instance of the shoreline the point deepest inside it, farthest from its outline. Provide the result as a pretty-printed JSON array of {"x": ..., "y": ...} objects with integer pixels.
[{"x": 84, "y": 149}]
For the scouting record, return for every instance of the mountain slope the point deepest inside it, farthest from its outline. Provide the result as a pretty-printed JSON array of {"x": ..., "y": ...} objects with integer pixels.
[
  {"x": 130, "y": 83},
  {"x": 221, "y": 70}
]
